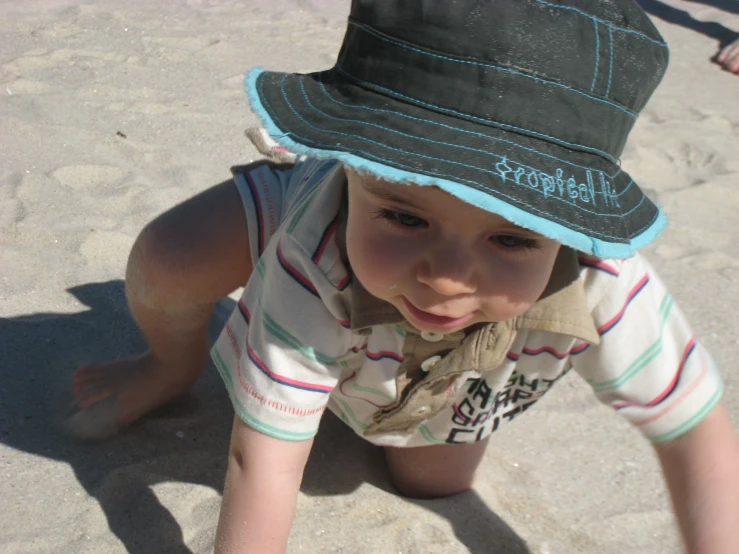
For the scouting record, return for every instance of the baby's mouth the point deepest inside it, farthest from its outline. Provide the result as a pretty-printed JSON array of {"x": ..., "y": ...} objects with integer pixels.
[{"x": 433, "y": 319}]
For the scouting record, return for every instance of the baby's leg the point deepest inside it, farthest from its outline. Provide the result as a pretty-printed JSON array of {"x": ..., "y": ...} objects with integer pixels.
[
  {"x": 435, "y": 471},
  {"x": 180, "y": 265}
]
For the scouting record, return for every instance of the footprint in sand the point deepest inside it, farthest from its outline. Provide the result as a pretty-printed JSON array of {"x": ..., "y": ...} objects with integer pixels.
[
  {"x": 666, "y": 162},
  {"x": 80, "y": 177},
  {"x": 29, "y": 61},
  {"x": 150, "y": 108},
  {"x": 176, "y": 49},
  {"x": 28, "y": 86},
  {"x": 85, "y": 58},
  {"x": 11, "y": 208},
  {"x": 189, "y": 44},
  {"x": 15, "y": 74},
  {"x": 105, "y": 249}
]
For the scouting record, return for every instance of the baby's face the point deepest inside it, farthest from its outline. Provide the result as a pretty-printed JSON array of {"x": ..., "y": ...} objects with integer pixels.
[{"x": 443, "y": 263}]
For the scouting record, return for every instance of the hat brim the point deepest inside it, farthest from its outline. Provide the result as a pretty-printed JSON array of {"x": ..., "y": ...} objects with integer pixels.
[{"x": 575, "y": 197}]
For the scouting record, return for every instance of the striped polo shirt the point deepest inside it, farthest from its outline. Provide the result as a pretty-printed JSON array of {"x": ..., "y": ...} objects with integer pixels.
[{"x": 306, "y": 336}]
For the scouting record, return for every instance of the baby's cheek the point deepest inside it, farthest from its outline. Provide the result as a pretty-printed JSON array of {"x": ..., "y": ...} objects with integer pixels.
[
  {"x": 502, "y": 308},
  {"x": 385, "y": 249},
  {"x": 386, "y": 256},
  {"x": 511, "y": 293},
  {"x": 382, "y": 262}
]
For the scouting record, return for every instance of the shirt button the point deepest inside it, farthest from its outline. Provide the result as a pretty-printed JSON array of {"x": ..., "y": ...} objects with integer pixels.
[
  {"x": 431, "y": 337},
  {"x": 426, "y": 365},
  {"x": 423, "y": 410}
]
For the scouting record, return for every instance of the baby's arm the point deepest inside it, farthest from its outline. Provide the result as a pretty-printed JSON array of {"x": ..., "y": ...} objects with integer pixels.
[
  {"x": 260, "y": 494},
  {"x": 702, "y": 473}
]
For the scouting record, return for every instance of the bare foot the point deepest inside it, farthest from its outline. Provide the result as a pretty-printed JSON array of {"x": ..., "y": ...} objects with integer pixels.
[
  {"x": 107, "y": 397},
  {"x": 729, "y": 57}
]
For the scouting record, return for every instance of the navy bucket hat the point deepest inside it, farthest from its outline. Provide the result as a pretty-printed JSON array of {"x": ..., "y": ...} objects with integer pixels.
[{"x": 519, "y": 107}]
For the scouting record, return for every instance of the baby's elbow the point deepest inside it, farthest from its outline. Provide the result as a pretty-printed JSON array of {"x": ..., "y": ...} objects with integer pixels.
[
  {"x": 241, "y": 436},
  {"x": 253, "y": 451},
  {"x": 236, "y": 457}
]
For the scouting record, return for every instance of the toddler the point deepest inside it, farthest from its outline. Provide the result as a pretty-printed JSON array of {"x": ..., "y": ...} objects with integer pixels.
[{"x": 456, "y": 236}]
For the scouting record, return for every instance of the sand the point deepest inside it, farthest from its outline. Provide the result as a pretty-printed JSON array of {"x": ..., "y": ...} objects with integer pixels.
[{"x": 111, "y": 112}]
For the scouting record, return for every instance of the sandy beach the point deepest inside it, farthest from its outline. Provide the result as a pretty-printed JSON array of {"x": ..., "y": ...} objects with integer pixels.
[{"x": 111, "y": 112}]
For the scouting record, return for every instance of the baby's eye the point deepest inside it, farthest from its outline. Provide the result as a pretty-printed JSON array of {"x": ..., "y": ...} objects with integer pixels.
[
  {"x": 402, "y": 219},
  {"x": 515, "y": 242}
]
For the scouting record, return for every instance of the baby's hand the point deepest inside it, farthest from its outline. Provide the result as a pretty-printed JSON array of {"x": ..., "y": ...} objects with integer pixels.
[{"x": 729, "y": 57}]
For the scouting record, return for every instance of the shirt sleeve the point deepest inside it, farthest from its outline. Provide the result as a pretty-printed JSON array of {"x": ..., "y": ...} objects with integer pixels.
[
  {"x": 649, "y": 365},
  {"x": 280, "y": 353},
  {"x": 270, "y": 192}
]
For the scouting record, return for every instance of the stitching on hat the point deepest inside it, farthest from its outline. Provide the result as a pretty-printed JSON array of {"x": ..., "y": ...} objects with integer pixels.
[
  {"x": 600, "y": 173},
  {"x": 643, "y": 196},
  {"x": 618, "y": 195},
  {"x": 610, "y": 61},
  {"x": 500, "y": 124},
  {"x": 545, "y": 215},
  {"x": 606, "y": 23},
  {"x": 631, "y": 182},
  {"x": 260, "y": 103},
  {"x": 597, "y": 55},
  {"x": 498, "y": 172},
  {"x": 328, "y": 95},
  {"x": 454, "y": 179},
  {"x": 493, "y": 66}
]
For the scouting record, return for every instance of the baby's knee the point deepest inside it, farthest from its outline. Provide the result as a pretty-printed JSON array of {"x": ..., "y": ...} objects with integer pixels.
[
  {"x": 158, "y": 264},
  {"x": 413, "y": 487},
  {"x": 416, "y": 479},
  {"x": 434, "y": 471}
]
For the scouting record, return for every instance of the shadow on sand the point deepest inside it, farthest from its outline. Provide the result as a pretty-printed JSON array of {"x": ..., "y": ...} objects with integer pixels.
[
  {"x": 39, "y": 354},
  {"x": 723, "y": 35}
]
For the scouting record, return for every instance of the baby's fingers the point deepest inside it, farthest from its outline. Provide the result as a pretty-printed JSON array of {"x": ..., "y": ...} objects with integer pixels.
[{"x": 729, "y": 57}]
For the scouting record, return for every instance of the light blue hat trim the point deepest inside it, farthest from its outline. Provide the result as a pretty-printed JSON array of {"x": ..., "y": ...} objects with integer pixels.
[{"x": 565, "y": 235}]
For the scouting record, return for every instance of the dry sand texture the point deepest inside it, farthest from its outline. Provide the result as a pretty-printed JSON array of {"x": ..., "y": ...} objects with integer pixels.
[{"x": 111, "y": 112}]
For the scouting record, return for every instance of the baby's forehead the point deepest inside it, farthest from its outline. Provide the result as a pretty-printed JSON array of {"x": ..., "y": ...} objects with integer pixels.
[
  {"x": 426, "y": 199},
  {"x": 400, "y": 191}
]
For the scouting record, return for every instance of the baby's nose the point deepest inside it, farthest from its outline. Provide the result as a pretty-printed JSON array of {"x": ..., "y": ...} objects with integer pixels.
[
  {"x": 449, "y": 269},
  {"x": 451, "y": 286}
]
